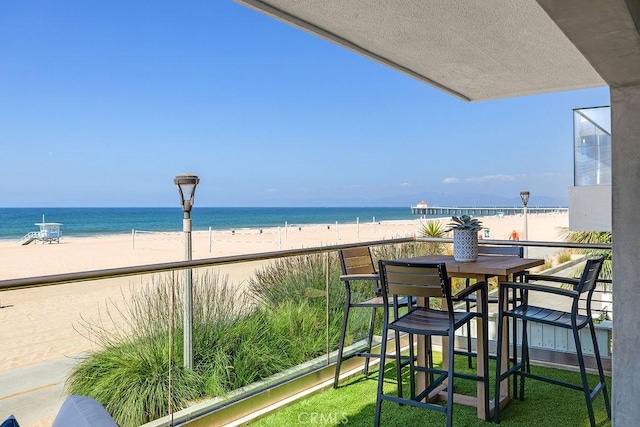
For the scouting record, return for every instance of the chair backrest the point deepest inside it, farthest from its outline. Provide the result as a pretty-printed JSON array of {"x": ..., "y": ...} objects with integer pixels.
[
  {"x": 501, "y": 250},
  {"x": 403, "y": 278},
  {"x": 356, "y": 260},
  {"x": 590, "y": 275}
]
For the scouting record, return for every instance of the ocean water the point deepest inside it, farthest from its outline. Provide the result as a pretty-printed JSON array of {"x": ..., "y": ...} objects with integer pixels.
[{"x": 78, "y": 222}]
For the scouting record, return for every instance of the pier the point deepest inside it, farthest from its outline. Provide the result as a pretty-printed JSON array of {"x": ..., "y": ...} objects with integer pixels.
[{"x": 480, "y": 211}]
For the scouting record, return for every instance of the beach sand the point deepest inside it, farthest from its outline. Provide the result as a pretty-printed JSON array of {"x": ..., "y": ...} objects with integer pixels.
[
  {"x": 44, "y": 324},
  {"x": 40, "y": 324}
]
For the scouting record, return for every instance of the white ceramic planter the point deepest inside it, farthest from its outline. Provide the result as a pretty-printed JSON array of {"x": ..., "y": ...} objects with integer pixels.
[{"x": 465, "y": 245}]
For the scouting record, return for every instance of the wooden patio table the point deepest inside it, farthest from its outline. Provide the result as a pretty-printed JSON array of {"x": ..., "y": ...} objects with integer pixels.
[{"x": 501, "y": 267}]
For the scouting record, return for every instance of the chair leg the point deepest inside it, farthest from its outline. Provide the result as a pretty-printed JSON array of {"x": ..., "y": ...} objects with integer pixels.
[
  {"x": 429, "y": 346},
  {"x": 468, "y": 327},
  {"x": 380, "y": 391},
  {"x": 513, "y": 357},
  {"x": 605, "y": 393},
  {"x": 450, "y": 380},
  {"x": 412, "y": 372},
  {"x": 499, "y": 355},
  {"x": 398, "y": 363},
  {"x": 514, "y": 344},
  {"x": 524, "y": 358},
  {"x": 369, "y": 340},
  {"x": 583, "y": 376},
  {"x": 485, "y": 365},
  {"x": 343, "y": 334}
]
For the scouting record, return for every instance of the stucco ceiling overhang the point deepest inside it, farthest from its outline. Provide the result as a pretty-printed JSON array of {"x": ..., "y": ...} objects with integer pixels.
[{"x": 473, "y": 49}]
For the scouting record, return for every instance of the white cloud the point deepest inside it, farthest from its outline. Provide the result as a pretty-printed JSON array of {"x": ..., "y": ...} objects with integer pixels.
[
  {"x": 450, "y": 181},
  {"x": 404, "y": 184},
  {"x": 481, "y": 179}
]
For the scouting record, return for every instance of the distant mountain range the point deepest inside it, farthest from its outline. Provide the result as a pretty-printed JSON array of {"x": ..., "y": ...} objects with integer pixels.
[
  {"x": 472, "y": 199},
  {"x": 435, "y": 199}
]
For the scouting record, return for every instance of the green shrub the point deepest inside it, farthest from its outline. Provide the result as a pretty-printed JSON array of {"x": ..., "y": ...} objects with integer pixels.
[
  {"x": 130, "y": 375},
  {"x": 398, "y": 251},
  {"x": 237, "y": 339},
  {"x": 563, "y": 256},
  {"x": 300, "y": 282}
]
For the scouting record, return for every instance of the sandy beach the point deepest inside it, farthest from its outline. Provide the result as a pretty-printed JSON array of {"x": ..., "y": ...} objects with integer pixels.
[{"x": 39, "y": 324}]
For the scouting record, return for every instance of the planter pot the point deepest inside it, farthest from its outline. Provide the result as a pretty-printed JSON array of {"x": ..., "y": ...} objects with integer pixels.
[{"x": 465, "y": 245}]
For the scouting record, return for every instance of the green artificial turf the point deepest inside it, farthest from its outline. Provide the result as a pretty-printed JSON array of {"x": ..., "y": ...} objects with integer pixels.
[{"x": 353, "y": 404}]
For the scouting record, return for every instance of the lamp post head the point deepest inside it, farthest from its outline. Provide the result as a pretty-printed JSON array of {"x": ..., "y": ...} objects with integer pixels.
[
  {"x": 187, "y": 187},
  {"x": 524, "y": 195}
]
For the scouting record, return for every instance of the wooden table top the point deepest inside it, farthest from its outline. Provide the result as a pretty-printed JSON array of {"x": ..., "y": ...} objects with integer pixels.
[{"x": 490, "y": 265}]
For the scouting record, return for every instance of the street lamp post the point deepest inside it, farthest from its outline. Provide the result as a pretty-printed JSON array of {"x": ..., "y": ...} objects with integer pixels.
[
  {"x": 524, "y": 195},
  {"x": 187, "y": 187}
]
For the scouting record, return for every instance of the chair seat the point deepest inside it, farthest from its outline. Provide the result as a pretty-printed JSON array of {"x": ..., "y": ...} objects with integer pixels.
[
  {"x": 429, "y": 322},
  {"x": 546, "y": 315}
]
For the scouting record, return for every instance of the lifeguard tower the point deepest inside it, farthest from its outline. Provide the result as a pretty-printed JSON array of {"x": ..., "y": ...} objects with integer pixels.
[{"x": 49, "y": 233}]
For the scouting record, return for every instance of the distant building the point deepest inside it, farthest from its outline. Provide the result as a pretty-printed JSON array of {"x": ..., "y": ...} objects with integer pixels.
[
  {"x": 590, "y": 196},
  {"x": 49, "y": 233}
]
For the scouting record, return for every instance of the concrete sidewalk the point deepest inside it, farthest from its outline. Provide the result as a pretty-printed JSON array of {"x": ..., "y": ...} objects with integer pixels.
[{"x": 35, "y": 393}]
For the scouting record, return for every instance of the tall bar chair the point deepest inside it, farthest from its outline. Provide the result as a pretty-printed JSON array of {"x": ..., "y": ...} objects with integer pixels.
[
  {"x": 578, "y": 290},
  {"x": 357, "y": 265},
  {"x": 428, "y": 280}
]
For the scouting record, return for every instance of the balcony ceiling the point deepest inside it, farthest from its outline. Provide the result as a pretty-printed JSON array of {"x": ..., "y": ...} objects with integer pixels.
[{"x": 473, "y": 49}]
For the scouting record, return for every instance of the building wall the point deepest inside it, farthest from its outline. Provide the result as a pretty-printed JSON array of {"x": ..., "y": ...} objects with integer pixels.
[
  {"x": 590, "y": 208},
  {"x": 625, "y": 109}
]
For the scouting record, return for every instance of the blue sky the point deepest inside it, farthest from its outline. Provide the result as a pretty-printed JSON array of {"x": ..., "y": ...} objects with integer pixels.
[{"x": 103, "y": 103}]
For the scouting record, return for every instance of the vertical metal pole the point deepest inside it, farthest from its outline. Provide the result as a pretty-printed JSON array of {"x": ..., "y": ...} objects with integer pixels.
[
  {"x": 188, "y": 294},
  {"x": 210, "y": 239},
  {"x": 172, "y": 318},
  {"x": 526, "y": 232},
  {"x": 279, "y": 239},
  {"x": 326, "y": 261}
]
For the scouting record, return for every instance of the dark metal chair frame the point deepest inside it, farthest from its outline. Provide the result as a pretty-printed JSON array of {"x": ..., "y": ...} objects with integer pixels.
[
  {"x": 569, "y": 320},
  {"x": 357, "y": 264},
  {"x": 427, "y": 280}
]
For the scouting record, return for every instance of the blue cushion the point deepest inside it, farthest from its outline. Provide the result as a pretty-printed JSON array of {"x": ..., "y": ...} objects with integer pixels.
[
  {"x": 10, "y": 422},
  {"x": 82, "y": 411}
]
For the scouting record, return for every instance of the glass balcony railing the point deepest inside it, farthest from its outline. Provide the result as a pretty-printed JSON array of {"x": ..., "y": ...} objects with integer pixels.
[
  {"x": 265, "y": 327},
  {"x": 592, "y": 146}
]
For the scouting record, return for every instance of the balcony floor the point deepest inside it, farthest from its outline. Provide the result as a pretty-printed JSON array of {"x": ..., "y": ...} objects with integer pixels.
[{"x": 353, "y": 403}]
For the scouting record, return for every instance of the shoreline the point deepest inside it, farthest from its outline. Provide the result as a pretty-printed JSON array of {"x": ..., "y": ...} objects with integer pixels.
[
  {"x": 101, "y": 251},
  {"x": 282, "y": 225}
]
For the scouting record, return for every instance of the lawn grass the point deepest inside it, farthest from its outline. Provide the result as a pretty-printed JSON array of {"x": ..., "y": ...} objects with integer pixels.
[{"x": 353, "y": 403}]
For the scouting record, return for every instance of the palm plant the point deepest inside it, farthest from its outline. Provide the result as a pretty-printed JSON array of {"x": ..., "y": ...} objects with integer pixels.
[
  {"x": 603, "y": 237},
  {"x": 435, "y": 229}
]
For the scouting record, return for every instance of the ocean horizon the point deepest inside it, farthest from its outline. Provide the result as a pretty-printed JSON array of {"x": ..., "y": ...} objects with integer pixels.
[{"x": 83, "y": 222}]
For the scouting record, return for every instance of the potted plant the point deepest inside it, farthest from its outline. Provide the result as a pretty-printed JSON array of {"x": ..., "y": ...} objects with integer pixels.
[{"x": 465, "y": 237}]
